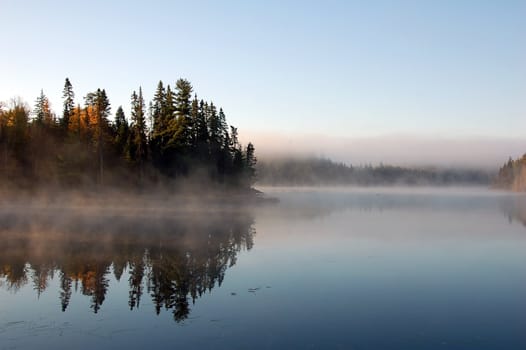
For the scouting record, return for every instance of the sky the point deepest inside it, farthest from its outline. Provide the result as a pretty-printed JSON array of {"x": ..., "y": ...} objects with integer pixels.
[{"x": 406, "y": 82}]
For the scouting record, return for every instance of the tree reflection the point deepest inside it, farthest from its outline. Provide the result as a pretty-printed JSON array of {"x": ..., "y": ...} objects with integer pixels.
[
  {"x": 515, "y": 209},
  {"x": 172, "y": 259}
]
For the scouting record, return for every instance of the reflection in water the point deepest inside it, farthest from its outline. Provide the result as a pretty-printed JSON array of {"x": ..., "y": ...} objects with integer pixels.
[
  {"x": 170, "y": 259},
  {"x": 515, "y": 209}
]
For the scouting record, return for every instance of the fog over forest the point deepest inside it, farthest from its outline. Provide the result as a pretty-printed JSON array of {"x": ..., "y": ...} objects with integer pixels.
[{"x": 409, "y": 150}]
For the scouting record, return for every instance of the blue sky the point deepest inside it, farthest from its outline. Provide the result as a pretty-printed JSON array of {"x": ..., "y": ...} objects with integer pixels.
[{"x": 342, "y": 69}]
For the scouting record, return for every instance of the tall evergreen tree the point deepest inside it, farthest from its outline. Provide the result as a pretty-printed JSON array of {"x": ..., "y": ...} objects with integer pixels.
[
  {"x": 214, "y": 129},
  {"x": 159, "y": 115},
  {"x": 183, "y": 127},
  {"x": 42, "y": 111},
  {"x": 122, "y": 132},
  {"x": 159, "y": 108},
  {"x": 138, "y": 130},
  {"x": 69, "y": 104},
  {"x": 250, "y": 163},
  {"x": 100, "y": 104},
  {"x": 169, "y": 106},
  {"x": 223, "y": 129},
  {"x": 182, "y": 97},
  {"x": 194, "y": 116},
  {"x": 237, "y": 154},
  {"x": 202, "y": 124}
]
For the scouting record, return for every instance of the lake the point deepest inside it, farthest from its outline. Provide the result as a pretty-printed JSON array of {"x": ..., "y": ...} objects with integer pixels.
[{"x": 325, "y": 268}]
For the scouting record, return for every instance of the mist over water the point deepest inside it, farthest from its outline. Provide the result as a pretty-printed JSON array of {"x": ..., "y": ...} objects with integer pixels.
[{"x": 395, "y": 268}]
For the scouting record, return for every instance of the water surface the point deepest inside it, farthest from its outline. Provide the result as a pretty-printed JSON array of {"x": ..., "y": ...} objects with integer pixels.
[{"x": 323, "y": 268}]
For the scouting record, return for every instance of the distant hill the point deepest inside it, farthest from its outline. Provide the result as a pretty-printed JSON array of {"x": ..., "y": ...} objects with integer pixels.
[{"x": 323, "y": 171}]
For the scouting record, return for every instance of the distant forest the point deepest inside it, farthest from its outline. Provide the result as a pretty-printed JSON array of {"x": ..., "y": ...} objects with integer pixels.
[
  {"x": 320, "y": 171},
  {"x": 512, "y": 175},
  {"x": 175, "y": 136}
]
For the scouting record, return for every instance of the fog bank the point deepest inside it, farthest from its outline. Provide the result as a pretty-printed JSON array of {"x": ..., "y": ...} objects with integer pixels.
[{"x": 404, "y": 150}]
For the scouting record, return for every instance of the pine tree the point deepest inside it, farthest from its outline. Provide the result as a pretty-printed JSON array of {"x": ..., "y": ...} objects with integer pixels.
[
  {"x": 223, "y": 126},
  {"x": 122, "y": 132},
  {"x": 250, "y": 163},
  {"x": 158, "y": 109},
  {"x": 194, "y": 117},
  {"x": 183, "y": 127},
  {"x": 214, "y": 129},
  {"x": 138, "y": 130},
  {"x": 42, "y": 111},
  {"x": 182, "y": 98},
  {"x": 69, "y": 104},
  {"x": 169, "y": 106},
  {"x": 236, "y": 153},
  {"x": 158, "y": 112}
]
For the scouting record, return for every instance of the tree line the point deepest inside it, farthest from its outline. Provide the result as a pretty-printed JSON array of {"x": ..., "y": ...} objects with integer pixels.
[
  {"x": 175, "y": 136},
  {"x": 322, "y": 171}
]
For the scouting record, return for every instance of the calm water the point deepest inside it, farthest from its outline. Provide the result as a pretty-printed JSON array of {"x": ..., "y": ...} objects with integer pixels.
[{"x": 323, "y": 269}]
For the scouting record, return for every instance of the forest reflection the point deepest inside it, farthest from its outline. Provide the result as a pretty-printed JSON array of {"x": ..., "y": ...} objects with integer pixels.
[{"x": 172, "y": 259}]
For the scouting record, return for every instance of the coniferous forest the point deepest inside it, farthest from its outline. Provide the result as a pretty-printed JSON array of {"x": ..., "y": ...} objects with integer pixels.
[
  {"x": 512, "y": 175},
  {"x": 325, "y": 172},
  {"x": 174, "y": 138}
]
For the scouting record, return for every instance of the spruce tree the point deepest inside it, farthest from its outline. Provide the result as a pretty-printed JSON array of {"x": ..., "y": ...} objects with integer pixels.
[
  {"x": 194, "y": 117},
  {"x": 122, "y": 132},
  {"x": 138, "y": 127},
  {"x": 250, "y": 163},
  {"x": 183, "y": 127},
  {"x": 202, "y": 127},
  {"x": 69, "y": 104},
  {"x": 42, "y": 111},
  {"x": 182, "y": 97},
  {"x": 158, "y": 109}
]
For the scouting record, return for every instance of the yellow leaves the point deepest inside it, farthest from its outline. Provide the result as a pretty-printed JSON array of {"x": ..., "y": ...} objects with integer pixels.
[
  {"x": 16, "y": 117},
  {"x": 78, "y": 121}
]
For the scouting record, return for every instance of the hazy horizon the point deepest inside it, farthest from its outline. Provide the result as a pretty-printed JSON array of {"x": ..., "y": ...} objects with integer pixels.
[{"x": 475, "y": 152}]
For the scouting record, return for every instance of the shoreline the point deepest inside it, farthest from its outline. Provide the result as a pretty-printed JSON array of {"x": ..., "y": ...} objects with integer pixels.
[{"x": 143, "y": 199}]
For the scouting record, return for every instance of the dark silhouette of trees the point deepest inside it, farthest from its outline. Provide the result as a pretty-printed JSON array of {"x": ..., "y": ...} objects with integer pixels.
[
  {"x": 122, "y": 134},
  {"x": 14, "y": 140},
  {"x": 138, "y": 142},
  {"x": 186, "y": 138},
  {"x": 69, "y": 104}
]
